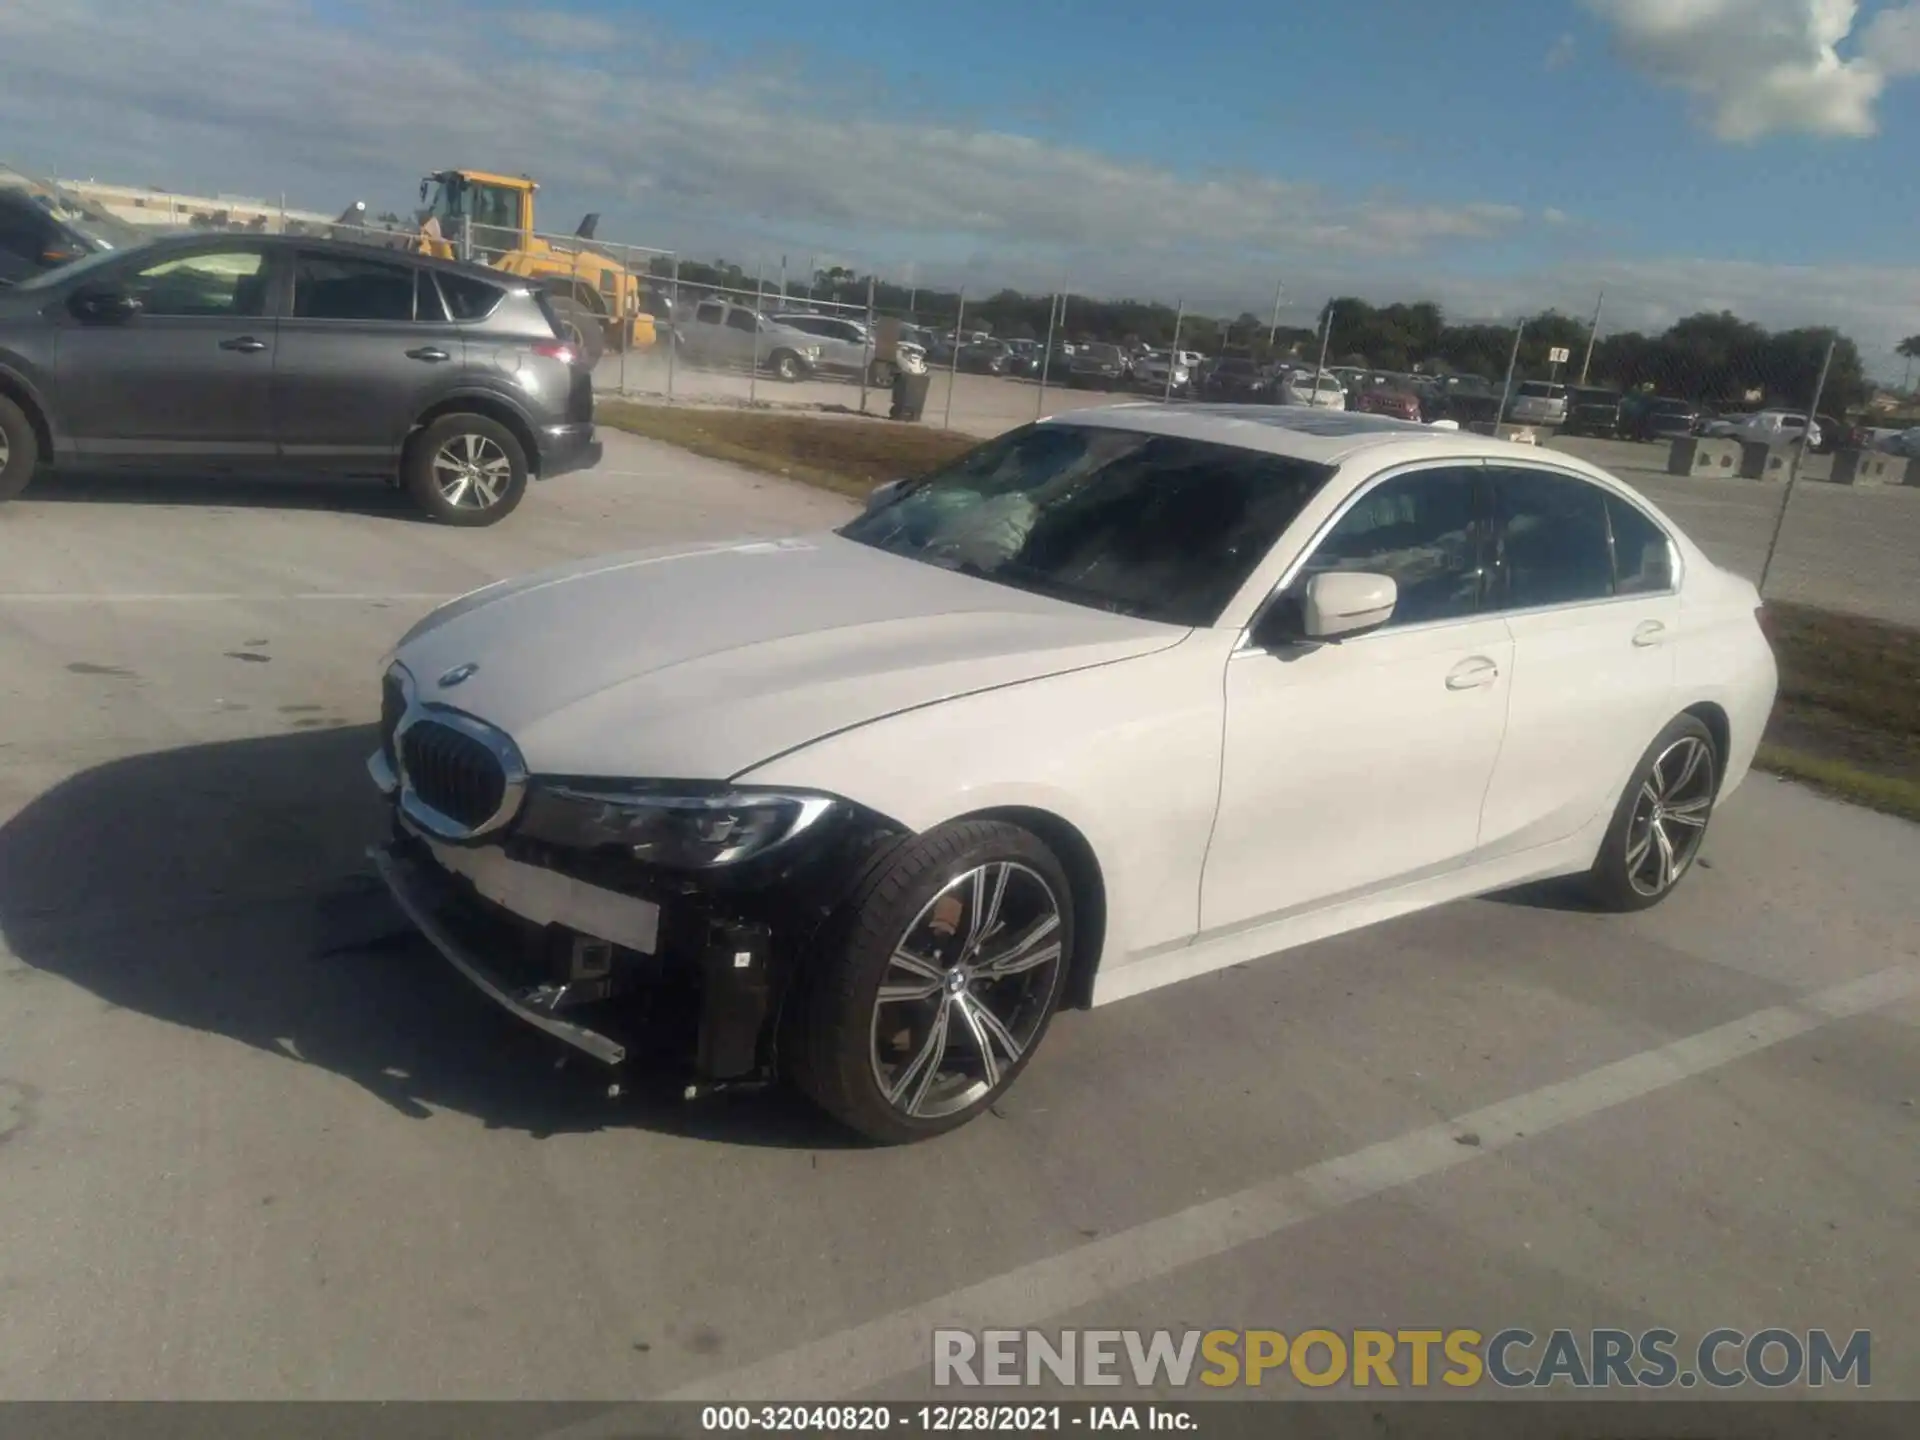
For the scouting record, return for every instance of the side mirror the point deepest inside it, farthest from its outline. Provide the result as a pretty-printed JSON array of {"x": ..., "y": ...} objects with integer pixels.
[
  {"x": 882, "y": 496},
  {"x": 1333, "y": 606},
  {"x": 103, "y": 307}
]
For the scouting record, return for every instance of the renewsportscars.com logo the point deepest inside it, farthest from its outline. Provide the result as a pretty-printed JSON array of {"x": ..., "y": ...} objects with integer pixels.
[{"x": 1401, "y": 1359}]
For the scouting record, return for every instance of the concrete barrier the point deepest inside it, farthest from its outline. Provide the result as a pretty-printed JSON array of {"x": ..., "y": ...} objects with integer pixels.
[
  {"x": 1761, "y": 461},
  {"x": 1697, "y": 456},
  {"x": 1872, "y": 467}
]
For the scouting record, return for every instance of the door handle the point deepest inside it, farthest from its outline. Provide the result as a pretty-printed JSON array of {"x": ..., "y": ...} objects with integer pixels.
[
  {"x": 245, "y": 344},
  {"x": 432, "y": 354},
  {"x": 1648, "y": 632},
  {"x": 1472, "y": 674}
]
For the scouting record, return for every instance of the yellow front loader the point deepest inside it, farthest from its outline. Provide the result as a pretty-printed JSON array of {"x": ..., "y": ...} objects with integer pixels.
[{"x": 474, "y": 215}]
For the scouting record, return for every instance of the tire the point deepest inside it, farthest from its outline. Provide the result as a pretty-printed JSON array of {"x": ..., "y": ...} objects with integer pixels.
[
  {"x": 785, "y": 366},
  {"x": 440, "y": 456},
  {"x": 880, "y": 375},
  {"x": 950, "y": 1046},
  {"x": 1661, "y": 821},
  {"x": 19, "y": 449},
  {"x": 583, "y": 327}
]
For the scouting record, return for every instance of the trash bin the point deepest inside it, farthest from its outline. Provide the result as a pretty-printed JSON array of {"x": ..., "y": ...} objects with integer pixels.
[{"x": 909, "y": 395}]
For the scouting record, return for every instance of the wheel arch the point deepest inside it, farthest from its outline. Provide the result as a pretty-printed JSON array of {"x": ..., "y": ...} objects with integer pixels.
[
  {"x": 493, "y": 408},
  {"x": 17, "y": 391},
  {"x": 1720, "y": 727},
  {"x": 1076, "y": 856}
]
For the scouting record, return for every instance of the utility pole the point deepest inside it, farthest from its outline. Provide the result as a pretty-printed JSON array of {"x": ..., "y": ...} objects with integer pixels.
[
  {"x": 1326, "y": 333},
  {"x": 1513, "y": 359},
  {"x": 1273, "y": 325},
  {"x": 1592, "y": 331}
]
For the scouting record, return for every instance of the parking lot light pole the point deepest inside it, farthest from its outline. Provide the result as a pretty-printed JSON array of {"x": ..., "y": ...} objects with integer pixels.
[
  {"x": 1326, "y": 334},
  {"x": 1173, "y": 355},
  {"x": 1592, "y": 331},
  {"x": 1056, "y": 315},
  {"x": 1273, "y": 325},
  {"x": 953, "y": 360},
  {"x": 1793, "y": 467},
  {"x": 1506, "y": 393}
]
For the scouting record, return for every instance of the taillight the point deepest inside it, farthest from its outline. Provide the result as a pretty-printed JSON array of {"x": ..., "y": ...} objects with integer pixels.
[{"x": 556, "y": 350}]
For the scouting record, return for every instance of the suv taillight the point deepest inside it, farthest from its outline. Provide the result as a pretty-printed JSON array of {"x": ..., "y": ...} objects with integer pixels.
[{"x": 556, "y": 350}]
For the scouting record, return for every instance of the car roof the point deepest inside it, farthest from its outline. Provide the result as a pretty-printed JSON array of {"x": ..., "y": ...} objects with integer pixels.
[
  {"x": 199, "y": 239},
  {"x": 1326, "y": 437}
]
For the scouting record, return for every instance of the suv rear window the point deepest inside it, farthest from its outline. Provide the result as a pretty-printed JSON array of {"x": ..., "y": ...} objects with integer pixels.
[
  {"x": 468, "y": 296},
  {"x": 1541, "y": 390}
]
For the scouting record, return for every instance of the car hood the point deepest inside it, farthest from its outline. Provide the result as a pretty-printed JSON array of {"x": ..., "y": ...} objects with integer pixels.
[{"x": 700, "y": 663}]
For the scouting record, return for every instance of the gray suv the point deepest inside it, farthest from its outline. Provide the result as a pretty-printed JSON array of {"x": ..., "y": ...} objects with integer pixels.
[{"x": 262, "y": 353}]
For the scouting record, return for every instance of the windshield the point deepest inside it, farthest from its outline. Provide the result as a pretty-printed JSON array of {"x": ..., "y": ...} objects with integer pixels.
[{"x": 1152, "y": 526}]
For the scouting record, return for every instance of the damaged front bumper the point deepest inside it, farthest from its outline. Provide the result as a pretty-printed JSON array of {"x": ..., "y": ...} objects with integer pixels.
[{"x": 422, "y": 895}]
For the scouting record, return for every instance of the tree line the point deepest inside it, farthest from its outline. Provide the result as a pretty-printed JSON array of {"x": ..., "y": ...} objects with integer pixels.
[{"x": 1718, "y": 359}]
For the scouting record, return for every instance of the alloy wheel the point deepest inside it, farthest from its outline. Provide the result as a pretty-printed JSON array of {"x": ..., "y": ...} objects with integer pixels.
[
  {"x": 472, "y": 472},
  {"x": 966, "y": 991},
  {"x": 1670, "y": 815},
  {"x": 6, "y": 451}
]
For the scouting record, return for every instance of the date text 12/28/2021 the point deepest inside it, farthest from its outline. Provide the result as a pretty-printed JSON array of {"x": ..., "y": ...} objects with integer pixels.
[{"x": 944, "y": 1419}]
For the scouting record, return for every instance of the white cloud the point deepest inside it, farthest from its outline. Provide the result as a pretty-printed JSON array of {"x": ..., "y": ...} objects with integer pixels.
[
  {"x": 1762, "y": 67},
  {"x": 277, "y": 96}
]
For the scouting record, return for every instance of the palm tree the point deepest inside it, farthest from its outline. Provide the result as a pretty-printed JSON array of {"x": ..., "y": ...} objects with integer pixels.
[{"x": 1909, "y": 349}]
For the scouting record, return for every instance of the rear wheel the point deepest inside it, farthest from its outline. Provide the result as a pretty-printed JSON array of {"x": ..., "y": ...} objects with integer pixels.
[
  {"x": 1661, "y": 820},
  {"x": 466, "y": 470},
  {"x": 581, "y": 326},
  {"x": 19, "y": 449},
  {"x": 947, "y": 971}
]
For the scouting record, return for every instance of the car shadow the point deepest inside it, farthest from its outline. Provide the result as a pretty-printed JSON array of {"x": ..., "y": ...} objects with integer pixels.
[
  {"x": 272, "y": 492},
  {"x": 224, "y": 888},
  {"x": 1565, "y": 894}
]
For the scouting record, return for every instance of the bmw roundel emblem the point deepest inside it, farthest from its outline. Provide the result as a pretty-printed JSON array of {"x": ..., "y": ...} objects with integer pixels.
[{"x": 459, "y": 675}]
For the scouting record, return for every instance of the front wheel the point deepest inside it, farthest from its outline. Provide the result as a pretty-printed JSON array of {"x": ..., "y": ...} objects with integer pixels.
[
  {"x": 1661, "y": 820},
  {"x": 19, "y": 449},
  {"x": 880, "y": 375},
  {"x": 786, "y": 366},
  {"x": 947, "y": 969},
  {"x": 465, "y": 469}
]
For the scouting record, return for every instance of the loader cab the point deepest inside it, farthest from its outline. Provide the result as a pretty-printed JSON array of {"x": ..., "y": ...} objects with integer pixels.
[{"x": 499, "y": 207}]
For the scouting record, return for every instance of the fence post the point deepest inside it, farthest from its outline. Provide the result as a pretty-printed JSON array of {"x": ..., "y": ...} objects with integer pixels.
[
  {"x": 866, "y": 359},
  {"x": 1793, "y": 467},
  {"x": 1173, "y": 354},
  {"x": 673, "y": 324},
  {"x": 953, "y": 360}
]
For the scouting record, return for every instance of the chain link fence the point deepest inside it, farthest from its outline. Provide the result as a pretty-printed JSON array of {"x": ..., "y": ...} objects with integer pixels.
[{"x": 1790, "y": 453}]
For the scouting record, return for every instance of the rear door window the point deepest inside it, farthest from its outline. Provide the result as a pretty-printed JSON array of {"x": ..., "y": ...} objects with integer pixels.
[
  {"x": 341, "y": 287},
  {"x": 1552, "y": 543},
  {"x": 1642, "y": 554}
]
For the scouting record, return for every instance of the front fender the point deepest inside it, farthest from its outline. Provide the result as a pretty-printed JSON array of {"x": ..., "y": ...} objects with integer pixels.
[{"x": 1128, "y": 753}]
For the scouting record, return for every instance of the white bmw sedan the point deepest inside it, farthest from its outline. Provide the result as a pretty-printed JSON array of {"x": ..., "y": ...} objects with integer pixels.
[{"x": 1114, "y": 700}]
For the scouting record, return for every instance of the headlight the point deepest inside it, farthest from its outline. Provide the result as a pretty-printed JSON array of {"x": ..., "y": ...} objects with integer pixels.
[
  {"x": 812, "y": 352},
  {"x": 669, "y": 827}
]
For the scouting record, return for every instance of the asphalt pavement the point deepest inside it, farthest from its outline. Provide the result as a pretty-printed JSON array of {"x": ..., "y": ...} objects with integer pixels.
[{"x": 254, "y": 1144}]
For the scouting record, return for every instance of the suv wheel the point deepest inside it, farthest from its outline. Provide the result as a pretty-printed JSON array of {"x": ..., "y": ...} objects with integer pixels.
[
  {"x": 19, "y": 449},
  {"x": 465, "y": 469},
  {"x": 786, "y": 366}
]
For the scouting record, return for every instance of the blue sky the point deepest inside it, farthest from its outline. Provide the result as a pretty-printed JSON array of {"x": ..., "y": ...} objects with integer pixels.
[{"x": 1495, "y": 155}]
